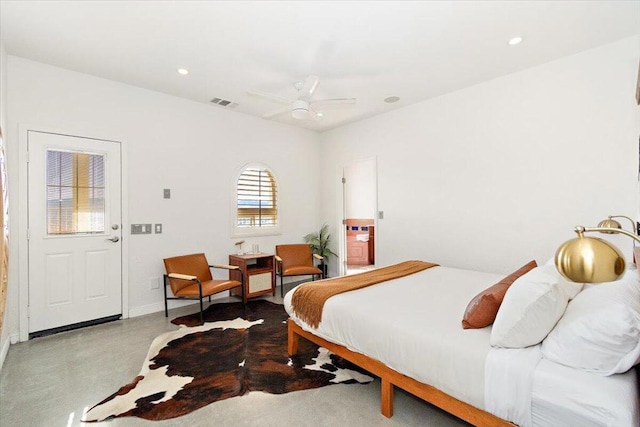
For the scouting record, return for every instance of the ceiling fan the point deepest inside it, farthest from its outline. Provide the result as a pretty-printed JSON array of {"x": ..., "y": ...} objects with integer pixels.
[{"x": 302, "y": 107}]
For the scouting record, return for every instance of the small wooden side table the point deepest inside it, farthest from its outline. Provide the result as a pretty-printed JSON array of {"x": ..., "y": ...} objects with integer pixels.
[{"x": 257, "y": 271}]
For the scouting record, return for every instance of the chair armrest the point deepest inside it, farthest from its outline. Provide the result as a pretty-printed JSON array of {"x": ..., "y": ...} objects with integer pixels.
[
  {"x": 278, "y": 258},
  {"x": 320, "y": 257},
  {"x": 182, "y": 276},
  {"x": 225, "y": 266}
]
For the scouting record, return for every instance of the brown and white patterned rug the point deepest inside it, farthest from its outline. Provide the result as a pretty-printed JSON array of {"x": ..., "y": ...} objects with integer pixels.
[{"x": 240, "y": 348}]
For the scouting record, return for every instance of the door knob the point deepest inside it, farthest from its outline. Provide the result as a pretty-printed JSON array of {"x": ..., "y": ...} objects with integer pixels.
[{"x": 114, "y": 239}]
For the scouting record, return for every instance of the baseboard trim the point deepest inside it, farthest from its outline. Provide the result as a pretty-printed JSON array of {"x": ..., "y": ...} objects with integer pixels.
[
  {"x": 146, "y": 309},
  {"x": 4, "y": 350}
]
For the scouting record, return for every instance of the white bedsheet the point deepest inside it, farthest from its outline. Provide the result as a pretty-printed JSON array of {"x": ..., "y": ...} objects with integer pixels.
[
  {"x": 412, "y": 325},
  {"x": 567, "y": 397},
  {"x": 509, "y": 374},
  {"x": 523, "y": 387}
]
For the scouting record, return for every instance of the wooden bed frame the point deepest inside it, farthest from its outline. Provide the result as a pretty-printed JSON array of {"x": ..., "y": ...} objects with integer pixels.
[{"x": 390, "y": 378}]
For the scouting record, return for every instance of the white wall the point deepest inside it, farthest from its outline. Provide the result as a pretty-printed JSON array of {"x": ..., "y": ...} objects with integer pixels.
[
  {"x": 194, "y": 149},
  {"x": 494, "y": 175},
  {"x": 3, "y": 86},
  {"x": 4, "y": 336}
]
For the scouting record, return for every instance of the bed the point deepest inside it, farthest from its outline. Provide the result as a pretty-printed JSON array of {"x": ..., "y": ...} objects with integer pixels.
[{"x": 426, "y": 352}]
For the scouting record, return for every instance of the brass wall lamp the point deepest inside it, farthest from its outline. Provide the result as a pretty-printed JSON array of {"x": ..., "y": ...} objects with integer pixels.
[
  {"x": 591, "y": 259},
  {"x": 612, "y": 223}
]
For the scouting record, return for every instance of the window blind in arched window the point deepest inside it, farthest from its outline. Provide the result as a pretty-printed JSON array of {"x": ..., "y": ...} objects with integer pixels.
[{"x": 257, "y": 195}]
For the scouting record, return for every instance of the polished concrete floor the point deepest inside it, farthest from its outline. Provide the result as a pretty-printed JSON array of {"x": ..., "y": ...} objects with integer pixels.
[{"x": 50, "y": 381}]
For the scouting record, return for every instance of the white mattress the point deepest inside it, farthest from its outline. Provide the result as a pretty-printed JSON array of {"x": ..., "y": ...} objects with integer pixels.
[
  {"x": 418, "y": 317},
  {"x": 413, "y": 325}
]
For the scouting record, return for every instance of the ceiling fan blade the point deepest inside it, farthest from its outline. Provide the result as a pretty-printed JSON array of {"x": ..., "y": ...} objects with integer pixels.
[
  {"x": 272, "y": 114},
  {"x": 314, "y": 115},
  {"x": 270, "y": 97},
  {"x": 308, "y": 87},
  {"x": 335, "y": 101}
]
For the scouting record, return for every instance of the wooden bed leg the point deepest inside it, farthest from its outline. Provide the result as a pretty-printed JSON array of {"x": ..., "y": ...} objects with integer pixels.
[
  {"x": 386, "y": 398},
  {"x": 292, "y": 341}
]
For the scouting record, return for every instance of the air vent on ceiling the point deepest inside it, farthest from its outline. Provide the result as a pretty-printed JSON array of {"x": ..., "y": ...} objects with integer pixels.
[{"x": 224, "y": 103}]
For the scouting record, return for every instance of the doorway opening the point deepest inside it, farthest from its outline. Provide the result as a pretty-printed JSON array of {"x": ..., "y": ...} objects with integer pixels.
[
  {"x": 359, "y": 209},
  {"x": 360, "y": 245}
]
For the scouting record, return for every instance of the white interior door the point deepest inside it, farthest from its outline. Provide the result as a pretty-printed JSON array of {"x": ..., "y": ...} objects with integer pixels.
[{"x": 75, "y": 253}]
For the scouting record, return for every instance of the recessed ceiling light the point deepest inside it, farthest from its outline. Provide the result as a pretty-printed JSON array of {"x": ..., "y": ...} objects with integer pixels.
[
  {"x": 391, "y": 99},
  {"x": 516, "y": 40},
  {"x": 183, "y": 71}
]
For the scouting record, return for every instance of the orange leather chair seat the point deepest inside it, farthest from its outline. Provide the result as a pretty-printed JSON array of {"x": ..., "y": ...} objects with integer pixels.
[
  {"x": 209, "y": 287},
  {"x": 302, "y": 270}
]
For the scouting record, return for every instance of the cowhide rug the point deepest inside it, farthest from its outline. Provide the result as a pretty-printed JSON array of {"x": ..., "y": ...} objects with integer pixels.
[{"x": 239, "y": 349}]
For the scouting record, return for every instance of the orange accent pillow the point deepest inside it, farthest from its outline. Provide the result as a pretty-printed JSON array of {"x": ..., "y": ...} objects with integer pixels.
[{"x": 483, "y": 308}]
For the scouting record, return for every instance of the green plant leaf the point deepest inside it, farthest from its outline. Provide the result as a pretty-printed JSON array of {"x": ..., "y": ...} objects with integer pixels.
[{"x": 320, "y": 241}]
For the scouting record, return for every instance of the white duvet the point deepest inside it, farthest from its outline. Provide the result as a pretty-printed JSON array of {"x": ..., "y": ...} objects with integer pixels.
[{"x": 412, "y": 325}]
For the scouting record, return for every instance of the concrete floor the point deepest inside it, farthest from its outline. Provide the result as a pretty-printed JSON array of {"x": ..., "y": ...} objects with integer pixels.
[
  {"x": 355, "y": 269},
  {"x": 50, "y": 381}
]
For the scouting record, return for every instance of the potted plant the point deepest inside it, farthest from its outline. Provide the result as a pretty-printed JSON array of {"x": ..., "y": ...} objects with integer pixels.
[{"x": 320, "y": 244}]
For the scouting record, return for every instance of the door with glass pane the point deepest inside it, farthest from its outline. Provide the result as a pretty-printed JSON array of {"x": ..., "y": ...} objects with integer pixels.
[{"x": 75, "y": 256}]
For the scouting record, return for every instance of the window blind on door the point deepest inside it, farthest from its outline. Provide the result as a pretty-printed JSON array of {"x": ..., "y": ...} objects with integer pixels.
[{"x": 75, "y": 192}]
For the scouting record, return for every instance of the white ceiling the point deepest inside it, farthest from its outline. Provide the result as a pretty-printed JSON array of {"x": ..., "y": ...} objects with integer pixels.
[{"x": 365, "y": 50}]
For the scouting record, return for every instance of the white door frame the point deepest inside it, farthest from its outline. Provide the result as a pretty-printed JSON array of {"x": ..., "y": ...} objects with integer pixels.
[
  {"x": 341, "y": 211},
  {"x": 23, "y": 243}
]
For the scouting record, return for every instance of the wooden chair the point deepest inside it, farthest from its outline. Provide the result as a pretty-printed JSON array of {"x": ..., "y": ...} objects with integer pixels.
[
  {"x": 297, "y": 260},
  {"x": 189, "y": 277}
]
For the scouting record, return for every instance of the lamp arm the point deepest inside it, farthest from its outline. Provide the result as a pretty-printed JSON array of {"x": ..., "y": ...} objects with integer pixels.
[
  {"x": 580, "y": 230},
  {"x": 634, "y": 226}
]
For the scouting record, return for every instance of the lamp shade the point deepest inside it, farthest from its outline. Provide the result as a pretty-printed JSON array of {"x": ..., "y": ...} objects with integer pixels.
[
  {"x": 609, "y": 223},
  {"x": 589, "y": 260}
]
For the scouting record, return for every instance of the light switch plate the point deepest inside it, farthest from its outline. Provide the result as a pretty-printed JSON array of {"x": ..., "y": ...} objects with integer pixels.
[
  {"x": 141, "y": 229},
  {"x": 166, "y": 193},
  {"x": 158, "y": 228}
]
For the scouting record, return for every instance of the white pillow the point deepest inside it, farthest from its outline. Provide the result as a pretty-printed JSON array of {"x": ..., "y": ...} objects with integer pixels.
[
  {"x": 531, "y": 307},
  {"x": 600, "y": 330}
]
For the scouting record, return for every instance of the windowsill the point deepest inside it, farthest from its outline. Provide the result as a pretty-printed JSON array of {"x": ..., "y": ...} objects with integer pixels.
[{"x": 256, "y": 232}]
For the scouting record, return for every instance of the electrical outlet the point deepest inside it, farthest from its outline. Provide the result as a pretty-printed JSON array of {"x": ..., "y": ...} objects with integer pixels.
[
  {"x": 154, "y": 283},
  {"x": 166, "y": 193},
  {"x": 158, "y": 228}
]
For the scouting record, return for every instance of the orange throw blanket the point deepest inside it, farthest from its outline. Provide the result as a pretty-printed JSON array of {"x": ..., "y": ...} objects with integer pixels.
[{"x": 308, "y": 300}]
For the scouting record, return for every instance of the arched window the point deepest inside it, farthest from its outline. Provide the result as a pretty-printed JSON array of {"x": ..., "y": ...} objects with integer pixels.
[{"x": 257, "y": 199}]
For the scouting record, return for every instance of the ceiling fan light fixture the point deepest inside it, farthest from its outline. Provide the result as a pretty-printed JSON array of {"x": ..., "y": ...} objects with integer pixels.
[
  {"x": 515, "y": 41},
  {"x": 300, "y": 110}
]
